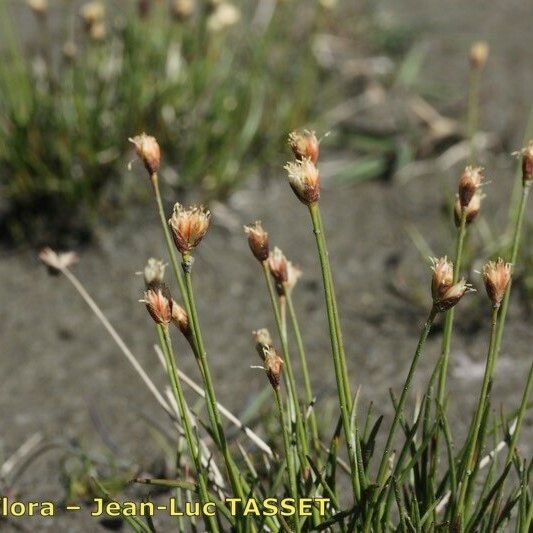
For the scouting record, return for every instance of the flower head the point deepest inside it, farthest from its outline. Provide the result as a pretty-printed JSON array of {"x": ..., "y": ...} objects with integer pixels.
[
  {"x": 182, "y": 9},
  {"x": 56, "y": 262},
  {"x": 148, "y": 151},
  {"x": 442, "y": 278},
  {"x": 496, "y": 276},
  {"x": 180, "y": 319},
  {"x": 479, "y": 53},
  {"x": 92, "y": 13},
  {"x": 304, "y": 180},
  {"x": 188, "y": 226},
  {"x": 153, "y": 272},
  {"x": 39, "y": 7},
  {"x": 262, "y": 340},
  {"x": 471, "y": 210},
  {"x": 469, "y": 183},
  {"x": 294, "y": 273},
  {"x": 257, "y": 240},
  {"x": 278, "y": 266},
  {"x": 159, "y": 303},
  {"x": 223, "y": 15},
  {"x": 452, "y": 295},
  {"x": 272, "y": 363},
  {"x": 304, "y": 145}
]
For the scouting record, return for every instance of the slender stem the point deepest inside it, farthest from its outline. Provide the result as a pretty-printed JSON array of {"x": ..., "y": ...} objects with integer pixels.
[
  {"x": 514, "y": 257},
  {"x": 448, "y": 321},
  {"x": 184, "y": 413},
  {"x": 288, "y": 453},
  {"x": 514, "y": 438},
  {"x": 211, "y": 400},
  {"x": 168, "y": 240},
  {"x": 334, "y": 331},
  {"x": 403, "y": 396},
  {"x": 305, "y": 371},
  {"x": 295, "y": 412},
  {"x": 469, "y": 457}
]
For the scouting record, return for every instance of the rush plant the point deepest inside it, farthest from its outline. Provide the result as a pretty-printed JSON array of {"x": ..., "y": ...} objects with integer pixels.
[{"x": 399, "y": 479}]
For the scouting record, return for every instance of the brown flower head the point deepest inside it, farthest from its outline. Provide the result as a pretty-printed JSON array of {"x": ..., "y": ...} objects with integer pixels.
[
  {"x": 262, "y": 341},
  {"x": 304, "y": 180},
  {"x": 452, "y": 295},
  {"x": 496, "y": 276},
  {"x": 56, "y": 262},
  {"x": 442, "y": 278},
  {"x": 527, "y": 163},
  {"x": 469, "y": 183},
  {"x": 159, "y": 303},
  {"x": 479, "y": 53},
  {"x": 147, "y": 148},
  {"x": 471, "y": 210},
  {"x": 272, "y": 363},
  {"x": 188, "y": 226},
  {"x": 278, "y": 266},
  {"x": 304, "y": 145},
  {"x": 257, "y": 240},
  {"x": 180, "y": 319}
]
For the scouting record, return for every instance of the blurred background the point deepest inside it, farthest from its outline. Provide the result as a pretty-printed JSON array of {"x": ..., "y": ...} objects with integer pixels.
[{"x": 220, "y": 84}]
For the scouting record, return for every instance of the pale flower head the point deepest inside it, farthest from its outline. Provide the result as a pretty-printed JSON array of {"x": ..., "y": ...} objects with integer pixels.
[
  {"x": 148, "y": 151},
  {"x": 159, "y": 304},
  {"x": 304, "y": 180},
  {"x": 56, "y": 262},
  {"x": 188, "y": 226},
  {"x": 496, "y": 276}
]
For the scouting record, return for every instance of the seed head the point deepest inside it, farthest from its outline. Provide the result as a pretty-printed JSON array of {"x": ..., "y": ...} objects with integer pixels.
[
  {"x": 442, "y": 278},
  {"x": 257, "y": 240},
  {"x": 496, "y": 276},
  {"x": 272, "y": 363},
  {"x": 180, "y": 319},
  {"x": 527, "y": 163},
  {"x": 188, "y": 226},
  {"x": 39, "y": 7},
  {"x": 304, "y": 180},
  {"x": 153, "y": 272},
  {"x": 304, "y": 145},
  {"x": 262, "y": 341},
  {"x": 469, "y": 183},
  {"x": 278, "y": 266},
  {"x": 293, "y": 275},
  {"x": 452, "y": 295},
  {"x": 56, "y": 262},
  {"x": 472, "y": 209},
  {"x": 182, "y": 9},
  {"x": 92, "y": 13},
  {"x": 223, "y": 15},
  {"x": 148, "y": 151},
  {"x": 159, "y": 303},
  {"x": 479, "y": 52}
]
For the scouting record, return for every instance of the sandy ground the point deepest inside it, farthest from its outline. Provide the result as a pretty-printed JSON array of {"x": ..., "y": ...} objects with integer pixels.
[{"x": 62, "y": 375}]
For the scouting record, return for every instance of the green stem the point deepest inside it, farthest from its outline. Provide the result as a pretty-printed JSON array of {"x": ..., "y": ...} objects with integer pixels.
[
  {"x": 288, "y": 453},
  {"x": 472, "y": 111},
  {"x": 305, "y": 371},
  {"x": 211, "y": 400},
  {"x": 469, "y": 458},
  {"x": 177, "y": 390},
  {"x": 168, "y": 240},
  {"x": 514, "y": 257},
  {"x": 448, "y": 321},
  {"x": 403, "y": 396},
  {"x": 295, "y": 414},
  {"x": 335, "y": 338}
]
